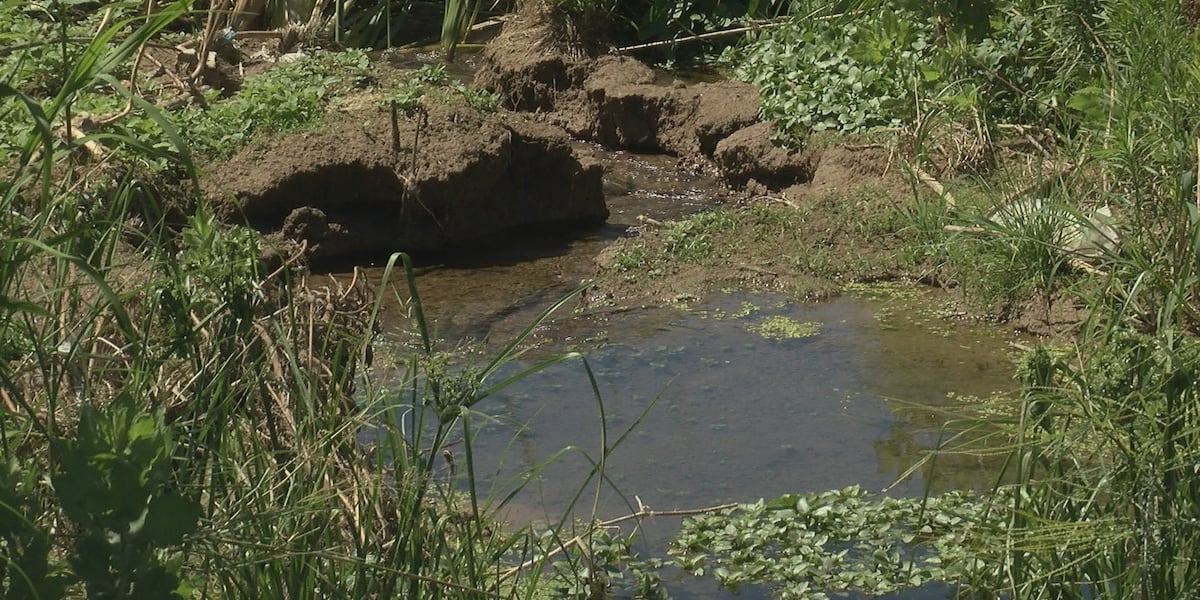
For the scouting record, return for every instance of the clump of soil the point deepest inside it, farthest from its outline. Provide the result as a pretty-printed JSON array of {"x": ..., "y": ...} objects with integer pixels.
[
  {"x": 748, "y": 158},
  {"x": 1046, "y": 317},
  {"x": 833, "y": 211},
  {"x": 537, "y": 66},
  {"x": 537, "y": 55},
  {"x": 456, "y": 175}
]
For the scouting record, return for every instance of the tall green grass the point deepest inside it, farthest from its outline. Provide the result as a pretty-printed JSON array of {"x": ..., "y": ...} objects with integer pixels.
[
  {"x": 1100, "y": 497},
  {"x": 178, "y": 422},
  {"x": 457, "y": 20}
]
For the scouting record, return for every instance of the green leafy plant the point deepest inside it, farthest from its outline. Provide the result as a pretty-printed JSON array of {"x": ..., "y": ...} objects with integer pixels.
[
  {"x": 689, "y": 239},
  {"x": 28, "y": 569},
  {"x": 432, "y": 81},
  {"x": 875, "y": 67},
  {"x": 813, "y": 545},
  {"x": 432, "y": 74},
  {"x": 479, "y": 98},
  {"x": 631, "y": 258},
  {"x": 828, "y": 74},
  {"x": 286, "y": 98},
  {"x": 114, "y": 481},
  {"x": 607, "y": 566}
]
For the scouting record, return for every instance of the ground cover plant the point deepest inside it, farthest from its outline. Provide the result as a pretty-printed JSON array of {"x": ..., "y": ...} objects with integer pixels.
[
  {"x": 855, "y": 66},
  {"x": 807, "y": 247}
]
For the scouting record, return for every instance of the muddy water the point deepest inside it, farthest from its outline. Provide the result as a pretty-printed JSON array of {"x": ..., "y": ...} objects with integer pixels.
[
  {"x": 737, "y": 416},
  {"x": 734, "y": 416}
]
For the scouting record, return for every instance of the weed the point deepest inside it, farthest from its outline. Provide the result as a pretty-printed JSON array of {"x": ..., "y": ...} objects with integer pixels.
[
  {"x": 113, "y": 483},
  {"x": 406, "y": 96},
  {"x": 479, "y": 98},
  {"x": 633, "y": 257},
  {"x": 195, "y": 435},
  {"x": 691, "y": 240},
  {"x": 818, "y": 74},
  {"x": 431, "y": 74},
  {"x": 432, "y": 82},
  {"x": 289, "y": 97},
  {"x": 784, "y": 328},
  {"x": 807, "y": 545}
]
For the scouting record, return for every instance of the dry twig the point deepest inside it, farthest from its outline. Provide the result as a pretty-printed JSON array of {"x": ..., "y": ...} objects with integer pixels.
[
  {"x": 755, "y": 26},
  {"x": 936, "y": 186},
  {"x": 783, "y": 201}
]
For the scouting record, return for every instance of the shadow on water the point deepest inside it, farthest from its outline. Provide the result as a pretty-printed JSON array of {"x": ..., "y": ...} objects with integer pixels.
[{"x": 493, "y": 291}]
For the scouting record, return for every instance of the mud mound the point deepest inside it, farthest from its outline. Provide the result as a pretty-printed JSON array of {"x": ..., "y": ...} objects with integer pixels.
[
  {"x": 614, "y": 100},
  {"x": 749, "y": 157},
  {"x": 535, "y": 57},
  {"x": 627, "y": 106},
  {"x": 841, "y": 164},
  {"x": 345, "y": 192}
]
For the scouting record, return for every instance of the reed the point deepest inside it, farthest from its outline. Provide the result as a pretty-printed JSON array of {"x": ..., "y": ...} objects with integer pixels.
[
  {"x": 457, "y": 20},
  {"x": 1099, "y": 498}
]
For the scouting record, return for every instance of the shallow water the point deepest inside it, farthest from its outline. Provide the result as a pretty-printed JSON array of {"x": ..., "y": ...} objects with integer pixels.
[
  {"x": 713, "y": 412},
  {"x": 494, "y": 292},
  {"x": 735, "y": 416}
]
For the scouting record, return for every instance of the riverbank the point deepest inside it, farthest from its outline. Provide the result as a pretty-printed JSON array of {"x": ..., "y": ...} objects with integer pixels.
[{"x": 187, "y": 408}]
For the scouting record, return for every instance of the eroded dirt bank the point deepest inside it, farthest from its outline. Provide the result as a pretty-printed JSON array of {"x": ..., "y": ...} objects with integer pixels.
[
  {"x": 828, "y": 212},
  {"x": 449, "y": 176},
  {"x": 457, "y": 175},
  {"x": 537, "y": 67}
]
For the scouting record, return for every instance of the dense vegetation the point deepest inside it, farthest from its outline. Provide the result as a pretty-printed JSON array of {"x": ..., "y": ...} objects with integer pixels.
[
  {"x": 178, "y": 418},
  {"x": 1102, "y": 500},
  {"x": 176, "y": 423}
]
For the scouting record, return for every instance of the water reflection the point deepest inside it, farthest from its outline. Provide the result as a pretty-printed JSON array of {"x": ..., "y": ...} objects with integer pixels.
[{"x": 739, "y": 417}]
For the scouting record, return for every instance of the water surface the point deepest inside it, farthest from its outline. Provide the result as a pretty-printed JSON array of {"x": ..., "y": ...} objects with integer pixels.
[{"x": 737, "y": 416}]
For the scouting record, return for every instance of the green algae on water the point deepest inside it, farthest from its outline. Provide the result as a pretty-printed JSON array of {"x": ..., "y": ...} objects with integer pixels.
[{"x": 784, "y": 328}]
